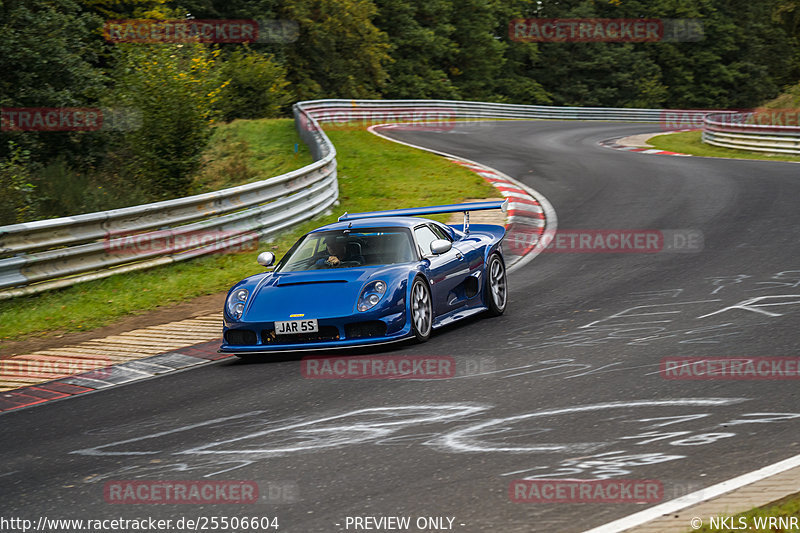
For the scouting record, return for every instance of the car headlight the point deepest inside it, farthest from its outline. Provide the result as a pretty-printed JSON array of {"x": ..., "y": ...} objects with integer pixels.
[
  {"x": 235, "y": 304},
  {"x": 371, "y": 294}
]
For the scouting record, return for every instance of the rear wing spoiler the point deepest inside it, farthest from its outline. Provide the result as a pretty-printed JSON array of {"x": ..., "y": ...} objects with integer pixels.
[{"x": 432, "y": 210}]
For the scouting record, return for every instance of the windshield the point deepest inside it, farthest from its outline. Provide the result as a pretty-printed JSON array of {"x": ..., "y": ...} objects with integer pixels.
[{"x": 349, "y": 249}]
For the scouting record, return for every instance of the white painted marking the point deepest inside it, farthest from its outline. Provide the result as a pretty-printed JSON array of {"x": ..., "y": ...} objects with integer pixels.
[
  {"x": 666, "y": 293},
  {"x": 792, "y": 280},
  {"x": 511, "y": 188},
  {"x": 751, "y": 304},
  {"x": 722, "y": 281},
  {"x": 627, "y": 313},
  {"x": 655, "y": 512},
  {"x": 464, "y": 440},
  {"x": 353, "y": 433},
  {"x": 525, "y": 221},
  {"x": 524, "y": 207},
  {"x": 350, "y": 428},
  {"x": 605, "y": 465},
  {"x": 509, "y": 194},
  {"x": 765, "y": 418},
  {"x": 96, "y": 449},
  {"x": 672, "y": 420}
]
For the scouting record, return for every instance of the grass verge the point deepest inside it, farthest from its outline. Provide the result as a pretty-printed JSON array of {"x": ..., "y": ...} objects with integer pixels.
[
  {"x": 374, "y": 174},
  {"x": 249, "y": 150},
  {"x": 756, "y": 519},
  {"x": 691, "y": 142}
]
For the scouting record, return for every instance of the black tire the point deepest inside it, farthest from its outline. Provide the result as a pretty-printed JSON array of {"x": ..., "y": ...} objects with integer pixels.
[
  {"x": 421, "y": 307},
  {"x": 495, "y": 292}
]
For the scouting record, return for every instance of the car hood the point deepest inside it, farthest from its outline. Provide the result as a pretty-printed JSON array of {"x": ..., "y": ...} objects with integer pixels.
[{"x": 315, "y": 294}]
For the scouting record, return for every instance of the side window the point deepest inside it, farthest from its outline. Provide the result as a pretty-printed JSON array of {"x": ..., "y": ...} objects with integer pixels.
[
  {"x": 441, "y": 232},
  {"x": 424, "y": 236}
]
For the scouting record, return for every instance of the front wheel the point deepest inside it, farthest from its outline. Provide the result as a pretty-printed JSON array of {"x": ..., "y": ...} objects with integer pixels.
[
  {"x": 496, "y": 288},
  {"x": 421, "y": 310}
]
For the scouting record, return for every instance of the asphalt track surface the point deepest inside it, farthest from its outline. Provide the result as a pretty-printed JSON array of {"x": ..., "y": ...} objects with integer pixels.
[{"x": 565, "y": 385}]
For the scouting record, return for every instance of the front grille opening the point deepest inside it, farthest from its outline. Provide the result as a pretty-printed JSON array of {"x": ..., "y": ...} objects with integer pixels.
[
  {"x": 240, "y": 337},
  {"x": 325, "y": 333},
  {"x": 370, "y": 328}
]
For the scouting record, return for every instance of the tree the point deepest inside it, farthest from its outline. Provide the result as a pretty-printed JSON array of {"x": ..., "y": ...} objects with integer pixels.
[
  {"x": 516, "y": 82},
  {"x": 420, "y": 35},
  {"x": 339, "y": 52},
  {"x": 479, "y": 58},
  {"x": 48, "y": 52},
  {"x": 175, "y": 89}
]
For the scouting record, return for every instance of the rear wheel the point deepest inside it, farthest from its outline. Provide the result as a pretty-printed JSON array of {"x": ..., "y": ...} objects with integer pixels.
[
  {"x": 421, "y": 310},
  {"x": 496, "y": 288}
]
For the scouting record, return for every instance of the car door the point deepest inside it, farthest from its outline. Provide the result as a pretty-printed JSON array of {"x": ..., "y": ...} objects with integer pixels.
[
  {"x": 472, "y": 248},
  {"x": 445, "y": 272}
]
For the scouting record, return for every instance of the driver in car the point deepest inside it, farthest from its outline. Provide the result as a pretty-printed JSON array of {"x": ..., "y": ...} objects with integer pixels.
[{"x": 337, "y": 251}]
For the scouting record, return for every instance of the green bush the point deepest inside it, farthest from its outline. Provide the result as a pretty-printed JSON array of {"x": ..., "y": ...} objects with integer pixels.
[
  {"x": 256, "y": 88},
  {"x": 64, "y": 191},
  {"x": 17, "y": 197},
  {"x": 790, "y": 99},
  {"x": 174, "y": 89}
]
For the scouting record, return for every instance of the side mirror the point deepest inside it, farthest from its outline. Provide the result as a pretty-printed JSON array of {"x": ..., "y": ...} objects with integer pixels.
[
  {"x": 440, "y": 246},
  {"x": 266, "y": 259}
]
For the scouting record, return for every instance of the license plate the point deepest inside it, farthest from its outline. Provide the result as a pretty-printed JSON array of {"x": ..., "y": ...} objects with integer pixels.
[{"x": 293, "y": 327}]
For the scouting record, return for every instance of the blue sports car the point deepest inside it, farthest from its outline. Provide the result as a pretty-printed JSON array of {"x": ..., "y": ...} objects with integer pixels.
[{"x": 370, "y": 278}]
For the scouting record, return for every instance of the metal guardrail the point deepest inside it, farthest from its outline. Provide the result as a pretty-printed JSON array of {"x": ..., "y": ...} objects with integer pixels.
[
  {"x": 742, "y": 131},
  {"x": 430, "y": 110},
  {"x": 49, "y": 254},
  {"x": 55, "y": 253}
]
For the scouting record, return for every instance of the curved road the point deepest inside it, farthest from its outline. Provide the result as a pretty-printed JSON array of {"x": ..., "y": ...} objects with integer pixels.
[{"x": 566, "y": 384}]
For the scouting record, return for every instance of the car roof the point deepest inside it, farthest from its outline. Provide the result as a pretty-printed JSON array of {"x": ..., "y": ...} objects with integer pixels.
[{"x": 384, "y": 222}]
